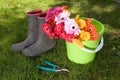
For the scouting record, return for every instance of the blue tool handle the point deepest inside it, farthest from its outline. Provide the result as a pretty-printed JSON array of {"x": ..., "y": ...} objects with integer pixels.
[
  {"x": 49, "y": 63},
  {"x": 46, "y": 69}
]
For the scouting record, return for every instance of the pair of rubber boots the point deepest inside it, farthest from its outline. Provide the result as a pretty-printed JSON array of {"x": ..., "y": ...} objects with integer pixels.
[{"x": 37, "y": 41}]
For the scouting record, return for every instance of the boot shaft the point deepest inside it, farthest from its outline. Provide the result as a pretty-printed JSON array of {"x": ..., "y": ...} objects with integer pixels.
[
  {"x": 33, "y": 23},
  {"x": 33, "y": 19},
  {"x": 41, "y": 20}
]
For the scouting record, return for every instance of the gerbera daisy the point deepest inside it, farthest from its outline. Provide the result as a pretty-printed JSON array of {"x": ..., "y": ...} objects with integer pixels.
[
  {"x": 94, "y": 36},
  {"x": 71, "y": 27},
  {"x": 90, "y": 28},
  {"x": 62, "y": 17},
  {"x": 58, "y": 28},
  {"x": 46, "y": 28},
  {"x": 51, "y": 13},
  {"x": 85, "y": 36},
  {"x": 69, "y": 37}
]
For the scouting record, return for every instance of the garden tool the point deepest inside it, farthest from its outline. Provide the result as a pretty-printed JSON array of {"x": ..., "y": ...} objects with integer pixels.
[
  {"x": 43, "y": 43},
  {"x": 53, "y": 68},
  {"x": 32, "y": 31}
]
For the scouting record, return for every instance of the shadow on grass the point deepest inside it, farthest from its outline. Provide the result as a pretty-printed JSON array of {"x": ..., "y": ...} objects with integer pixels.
[
  {"x": 76, "y": 6},
  {"x": 107, "y": 12}
]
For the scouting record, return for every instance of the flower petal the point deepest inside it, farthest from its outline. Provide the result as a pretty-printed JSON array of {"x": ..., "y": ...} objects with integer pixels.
[
  {"x": 78, "y": 43},
  {"x": 94, "y": 36},
  {"x": 85, "y": 36},
  {"x": 71, "y": 27},
  {"x": 69, "y": 37},
  {"x": 46, "y": 28}
]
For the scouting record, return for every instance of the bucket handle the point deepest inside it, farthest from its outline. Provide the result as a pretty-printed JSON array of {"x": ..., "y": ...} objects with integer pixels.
[{"x": 97, "y": 49}]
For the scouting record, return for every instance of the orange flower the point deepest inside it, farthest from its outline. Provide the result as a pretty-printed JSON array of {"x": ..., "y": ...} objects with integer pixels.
[
  {"x": 90, "y": 28},
  {"x": 81, "y": 23},
  {"x": 88, "y": 21},
  {"x": 64, "y": 7},
  {"x": 77, "y": 19},
  {"x": 85, "y": 36},
  {"x": 94, "y": 36},
  {"x": 78, "y": 43}
]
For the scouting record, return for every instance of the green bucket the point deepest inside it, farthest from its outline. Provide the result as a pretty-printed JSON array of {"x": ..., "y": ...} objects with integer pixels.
[{"x": 86, "y": 54}]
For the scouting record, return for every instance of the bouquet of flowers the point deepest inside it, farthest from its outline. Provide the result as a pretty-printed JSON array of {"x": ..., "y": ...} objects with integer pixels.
[{"x": 74, "y": 30}]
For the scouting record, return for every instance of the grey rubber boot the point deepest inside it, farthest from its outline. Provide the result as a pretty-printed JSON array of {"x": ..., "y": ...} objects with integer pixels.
[
  {"x": 32, "y": 31},
  {"x": 43, "y": 43}
]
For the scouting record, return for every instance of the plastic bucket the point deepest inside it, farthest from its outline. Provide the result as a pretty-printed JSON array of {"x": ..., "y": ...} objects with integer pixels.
[{"x": 86, "y": 54}]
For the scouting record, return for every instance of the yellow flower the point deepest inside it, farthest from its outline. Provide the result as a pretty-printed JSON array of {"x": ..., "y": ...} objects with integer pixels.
[
  {"x": 81, "y": 23},
  {"x": 85, "y": 36},
  {"x": 78, "y": 43},
  {"x": 77, "y": 19}
]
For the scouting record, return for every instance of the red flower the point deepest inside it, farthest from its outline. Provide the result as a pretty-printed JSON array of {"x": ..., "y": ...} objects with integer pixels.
[
  {"x": 51, "y": 21},
  {"x": 94, "y": 36},
  {"x": 69, "y": 37},
  {"x": 46, "y": 28},
  {"x": 59, "y": 28},
  {"x": 56, "y": 36},
  {"x": 63, "y": 35}
]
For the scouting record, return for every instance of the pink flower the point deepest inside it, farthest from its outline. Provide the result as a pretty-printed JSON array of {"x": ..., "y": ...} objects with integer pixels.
[
  {"x": 71, "y": 27},
  {"x": 62, "y": 17},
  {"x": 69, "y": 37},
  {"x": 46, "y": 28},
  {"x": 57, "y": 10},
  {"x": 51, "y": 13}
]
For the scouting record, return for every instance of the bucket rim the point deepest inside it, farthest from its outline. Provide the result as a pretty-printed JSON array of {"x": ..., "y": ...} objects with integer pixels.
[{"x": 102, "y": 31}]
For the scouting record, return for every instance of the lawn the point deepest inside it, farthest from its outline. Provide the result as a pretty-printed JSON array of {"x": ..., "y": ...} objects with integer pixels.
[{"x": 13, "y": 29}]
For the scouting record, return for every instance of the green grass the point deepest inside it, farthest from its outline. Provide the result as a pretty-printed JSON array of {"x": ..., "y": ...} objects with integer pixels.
[{"x": 13, "y": 29}]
